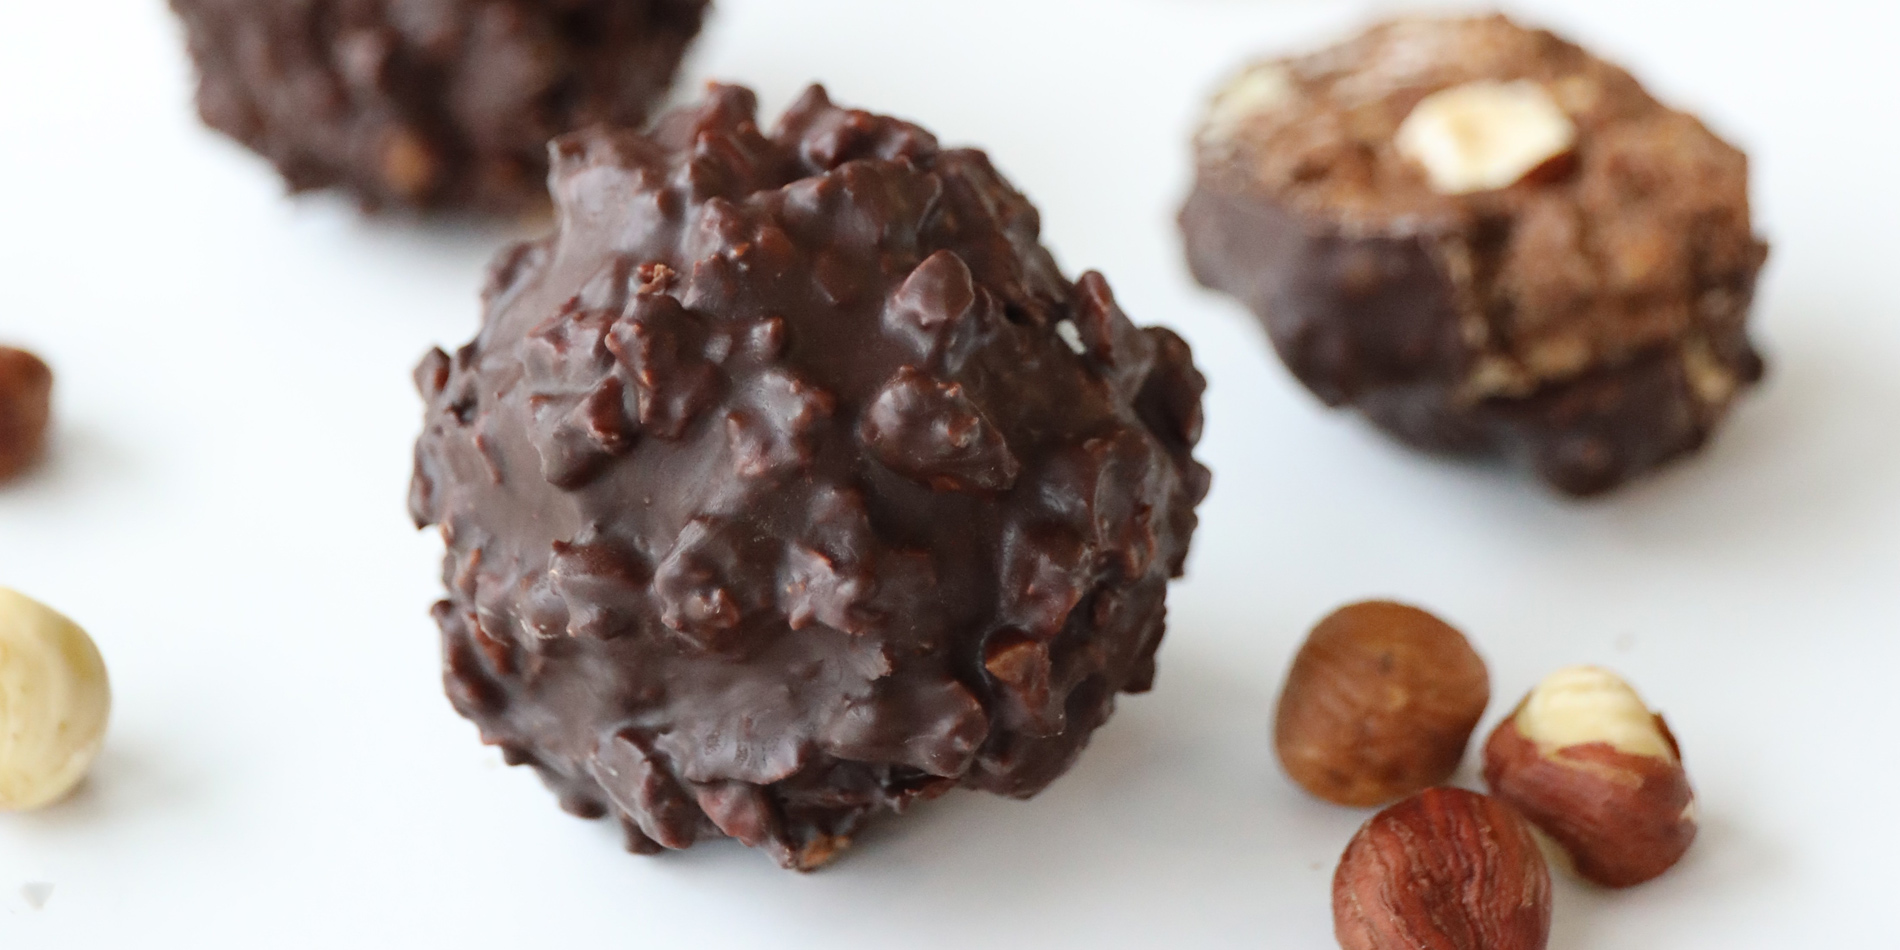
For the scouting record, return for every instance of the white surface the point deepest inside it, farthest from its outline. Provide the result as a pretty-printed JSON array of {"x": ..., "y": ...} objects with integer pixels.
[{"x": 224, "y": 511}]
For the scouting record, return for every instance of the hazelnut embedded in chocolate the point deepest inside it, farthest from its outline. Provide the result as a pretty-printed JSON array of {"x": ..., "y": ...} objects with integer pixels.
[
  {"x": 1488, "y": 241},
  {"x": 442, "y": 105},
  {"x": 791, "y": 483}
]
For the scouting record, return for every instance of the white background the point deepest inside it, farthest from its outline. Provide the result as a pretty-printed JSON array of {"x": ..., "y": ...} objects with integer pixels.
[{"x": 223, "y": 509}]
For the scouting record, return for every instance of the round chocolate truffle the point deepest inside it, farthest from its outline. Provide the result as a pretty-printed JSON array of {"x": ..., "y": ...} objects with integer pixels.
[
  {"x": 1488, "y": 241},
  {"x": 789, "y": 482},
  {"x": 429, "y": 104}
]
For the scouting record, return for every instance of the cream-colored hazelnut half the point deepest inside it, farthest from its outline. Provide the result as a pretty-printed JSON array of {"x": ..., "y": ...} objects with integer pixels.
[
  {"x": 1586, "y": 760},
  {"x": 1585, "y": 704},
  {"x": 54, "y": 702},
  {"x": 1483, "y": 136}
]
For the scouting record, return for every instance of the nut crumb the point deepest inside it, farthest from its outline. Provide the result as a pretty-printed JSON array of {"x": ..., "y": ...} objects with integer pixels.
[
  {"x": 1071, "y": 336},
  {"x": 1379, "y": 704},
  {"x": 1257, "y": 91},
  {"x": 36, "y": 894}
]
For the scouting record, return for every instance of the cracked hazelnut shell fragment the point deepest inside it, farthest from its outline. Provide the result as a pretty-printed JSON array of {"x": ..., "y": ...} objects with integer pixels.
[
  {"x": 1379, "y": 703},
  {"x": 26, "y": 408},
  {"x": 1592, "y": 767},
  {"x": 1446, "y": 869},
  {"x": 775, "y": 496},
  {"x": 443, "y": 105},
  {"x": 1489, "y": 242}
]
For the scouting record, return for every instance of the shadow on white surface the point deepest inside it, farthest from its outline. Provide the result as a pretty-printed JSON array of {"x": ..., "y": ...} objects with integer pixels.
[
  {"x": 1810, "y": 454},
  {"x": 83, "y": 460},
  {"x": 129, "y": 780},
  {"x": 1729, "y": 864}
]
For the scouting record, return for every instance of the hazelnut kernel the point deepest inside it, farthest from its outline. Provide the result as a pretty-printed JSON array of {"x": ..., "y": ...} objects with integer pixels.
[
  {"x": 54, "y": 702},
  {"x": 26, "y": 392},
  {"x": 1379, "y": 703},
  {"x": 1483, "y": 136},
  {"x": 1445, "y": 869},
  {"x": 1599, "y": 773}
]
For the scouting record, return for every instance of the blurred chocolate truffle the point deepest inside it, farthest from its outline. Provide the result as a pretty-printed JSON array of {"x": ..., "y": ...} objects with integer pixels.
[
  {"x": 789, "y": 482},
  {"x": 1488, "y": 241},
  {"x": 429, "y": 104}
]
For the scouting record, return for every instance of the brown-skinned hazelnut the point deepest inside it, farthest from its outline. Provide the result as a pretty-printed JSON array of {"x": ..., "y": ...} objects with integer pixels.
[
  {"x": 26, "y": 394},
  {"x": 1592, "y": 767},
  {"x": 1446, "y": 869},
  {"x": 1380, "y": 703}
]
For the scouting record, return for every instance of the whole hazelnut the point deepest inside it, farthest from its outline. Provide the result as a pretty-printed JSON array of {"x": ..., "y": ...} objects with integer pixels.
[
  {"x": 26, "y": 396},
  {"x": 54, "y": 702},
  {"x": 1592, "y": 767},
  {"x": 1446, "y": 869},
  {"x": 1379, "y": 703}
]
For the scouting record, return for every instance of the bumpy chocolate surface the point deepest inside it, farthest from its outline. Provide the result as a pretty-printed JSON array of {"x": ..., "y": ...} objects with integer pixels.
[
  {"x": 1589, "y": 320},
  {"x": 790, "y": 482},
  {"x": 429, "y": 104}
]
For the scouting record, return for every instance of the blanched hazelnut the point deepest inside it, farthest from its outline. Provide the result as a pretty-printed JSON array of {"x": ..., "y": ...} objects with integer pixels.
[
  {"x": 1379, "y": 703},
  {"x": 1592, "y": 767},
  {"x": 54, "y": 702},
  {"x": 1483, "y": 136}
]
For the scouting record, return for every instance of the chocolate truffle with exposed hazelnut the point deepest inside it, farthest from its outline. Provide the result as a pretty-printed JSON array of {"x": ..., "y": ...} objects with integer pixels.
[{"x": 1488, "y": 241}]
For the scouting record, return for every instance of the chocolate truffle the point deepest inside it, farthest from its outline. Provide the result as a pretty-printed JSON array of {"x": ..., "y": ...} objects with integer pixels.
[
  {"x": 1488, "y": 241},
  {"x": 789, "y": 482},
  {"x": 429, "y": 104}
]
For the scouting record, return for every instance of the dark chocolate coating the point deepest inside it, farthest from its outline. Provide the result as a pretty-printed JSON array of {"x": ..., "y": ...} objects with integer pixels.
[
  {"x": 1371, "y": 323},
  {"x": 790, "y": 482},
  {"x": 1589, "y": 321},
  {"x": 429, "y": 104}
]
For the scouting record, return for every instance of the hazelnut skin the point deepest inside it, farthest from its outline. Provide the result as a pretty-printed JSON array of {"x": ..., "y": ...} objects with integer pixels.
[
  {"x": 1380, "y": 703},
  {"x": 1446, "y": 869},
  {"x": 1593, "y": 768},
  {"x": 26, "y": 392}
]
